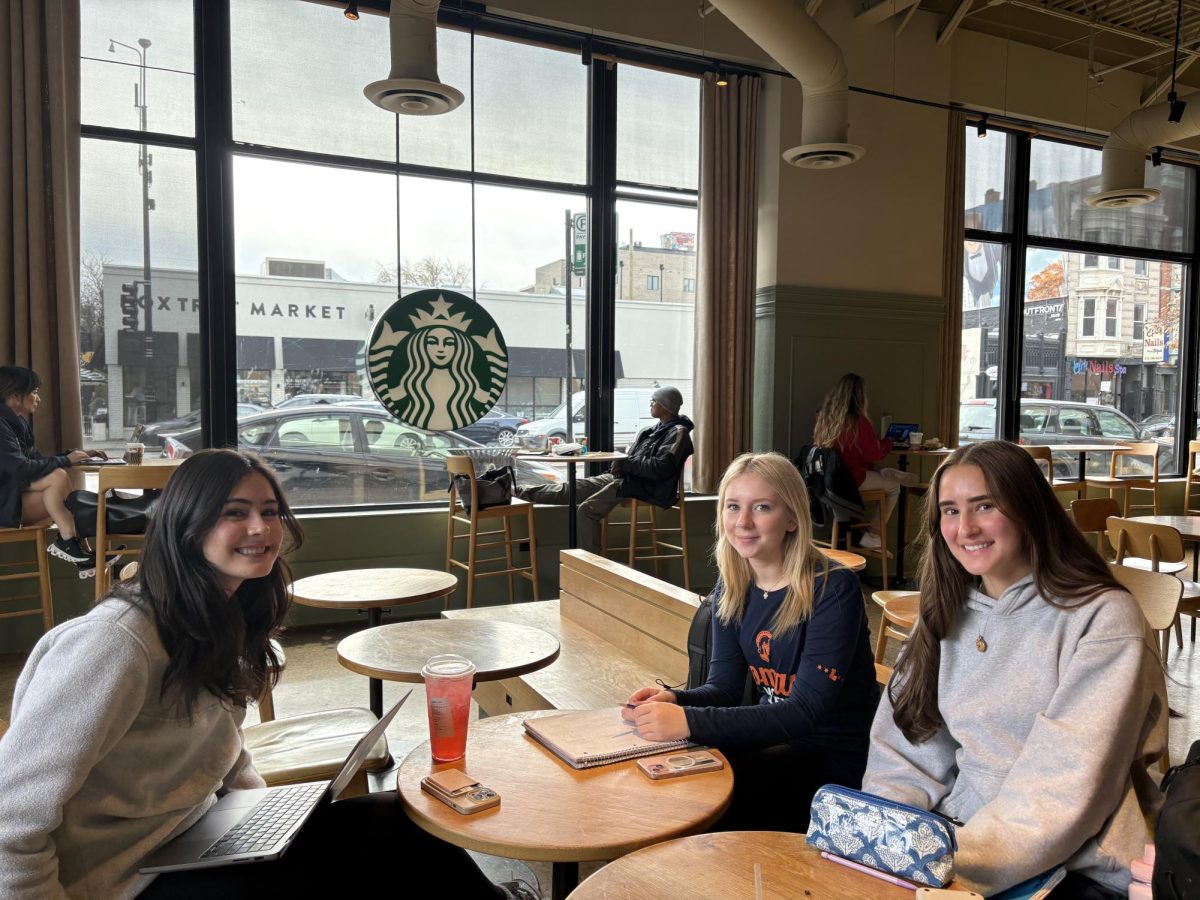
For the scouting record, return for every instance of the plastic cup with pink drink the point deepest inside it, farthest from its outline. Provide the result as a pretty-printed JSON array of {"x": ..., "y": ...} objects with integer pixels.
[{"x": 448, "y": 682}]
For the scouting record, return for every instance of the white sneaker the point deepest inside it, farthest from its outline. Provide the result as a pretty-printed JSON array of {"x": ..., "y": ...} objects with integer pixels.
[{"x": 870, "y": 541}]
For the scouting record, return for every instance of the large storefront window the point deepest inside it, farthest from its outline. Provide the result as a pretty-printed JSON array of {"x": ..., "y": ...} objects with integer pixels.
[{"x": 1101, "y": 328}]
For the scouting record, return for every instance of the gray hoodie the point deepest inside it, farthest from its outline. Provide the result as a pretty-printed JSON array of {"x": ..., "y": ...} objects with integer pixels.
[{"x": 1047, "y": 739}]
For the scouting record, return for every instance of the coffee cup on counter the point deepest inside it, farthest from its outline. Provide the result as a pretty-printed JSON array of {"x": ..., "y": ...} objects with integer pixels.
[
  {"x": 134, "y": 453},
  {"x": 916, "y": 439}
]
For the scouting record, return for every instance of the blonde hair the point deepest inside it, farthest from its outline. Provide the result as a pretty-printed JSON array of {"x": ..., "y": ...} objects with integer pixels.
[
  {"x": 801, "y": 560},
  {"x": 845, "y": 402}
]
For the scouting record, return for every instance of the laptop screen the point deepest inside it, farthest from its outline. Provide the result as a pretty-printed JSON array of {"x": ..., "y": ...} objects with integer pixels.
[{"x": 898, "y": 432}]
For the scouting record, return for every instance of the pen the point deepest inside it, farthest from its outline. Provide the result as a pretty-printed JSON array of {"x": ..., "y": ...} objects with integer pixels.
[{"x": 867, "y": 870}]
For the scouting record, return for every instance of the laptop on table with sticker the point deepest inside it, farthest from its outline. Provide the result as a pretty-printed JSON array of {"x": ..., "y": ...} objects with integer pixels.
[{"x": 259, "y": 824}]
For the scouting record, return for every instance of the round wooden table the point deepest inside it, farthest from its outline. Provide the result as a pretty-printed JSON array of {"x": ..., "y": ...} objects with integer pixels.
[
  {"x": 373, "y": 590},
  {"x": 399, "y": 651},
  {"x": 722, "y": 866},
  {"x": 851, "y": 561},
  {"x": 549, "y": 811}
]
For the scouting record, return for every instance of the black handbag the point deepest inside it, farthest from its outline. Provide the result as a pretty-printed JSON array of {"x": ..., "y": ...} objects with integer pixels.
[
  {"x": 493, "y": 488},
  {"x": 1176, "y": 853},
  {"x": 123, "y": 515}
]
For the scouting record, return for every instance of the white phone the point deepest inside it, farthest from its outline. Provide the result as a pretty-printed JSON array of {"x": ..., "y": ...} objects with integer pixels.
[{"x": 926, "y": 893}]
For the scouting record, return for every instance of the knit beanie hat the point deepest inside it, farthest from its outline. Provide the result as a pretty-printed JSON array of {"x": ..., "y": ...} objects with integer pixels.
[{"x": 668, "y": 397}]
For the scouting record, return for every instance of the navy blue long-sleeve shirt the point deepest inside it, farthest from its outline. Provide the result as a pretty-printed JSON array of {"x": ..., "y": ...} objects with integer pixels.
[{"x": 816, "y": 684}]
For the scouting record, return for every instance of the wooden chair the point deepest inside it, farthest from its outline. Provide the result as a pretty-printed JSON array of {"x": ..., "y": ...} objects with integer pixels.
[
  {"x": 899, "y": 617},
  {"x": 883, "y": 674},
  {"x": 37, "y": 568},
  {"x": 496, "y": 537},
  {"x": 311, "y": 747},
  {"x": 659, "y": 545},
  {"x": 1091, "y": 517},
  {"x": 1158, "y": 595},
  {"x": 1191, "y": 490},
  {"x": 1159, "y": 544},
  {"x": 144, "y": 478},
  {"x": 1114, "y": 481},
  {"x": 1059, "y": 485}
]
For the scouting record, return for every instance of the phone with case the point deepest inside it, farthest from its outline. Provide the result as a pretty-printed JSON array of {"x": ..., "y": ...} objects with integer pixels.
[
  {"x": 672, "y": 765},
  {"x": 927, "y": 893},
  {"x": 459, "y": 791}
]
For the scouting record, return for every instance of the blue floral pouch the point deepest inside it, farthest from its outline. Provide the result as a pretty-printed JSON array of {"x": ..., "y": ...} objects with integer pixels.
[{"x": 893, "y": 837}]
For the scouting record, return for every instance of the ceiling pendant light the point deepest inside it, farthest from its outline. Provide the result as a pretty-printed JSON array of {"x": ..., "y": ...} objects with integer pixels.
[
  {"x": 352, "y": 11},
  {"x": 1177, "y": 106}
]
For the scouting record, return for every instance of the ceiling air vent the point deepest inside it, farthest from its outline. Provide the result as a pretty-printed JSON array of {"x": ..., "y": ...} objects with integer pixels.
[
  {"x": 413, "y": 87},
  {"x": 823, "y": 156},
  {"x": 1122, "y": 197}
]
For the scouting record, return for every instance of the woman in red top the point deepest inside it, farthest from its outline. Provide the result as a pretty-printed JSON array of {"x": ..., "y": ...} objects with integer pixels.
[{"x": 843, "y": 424}]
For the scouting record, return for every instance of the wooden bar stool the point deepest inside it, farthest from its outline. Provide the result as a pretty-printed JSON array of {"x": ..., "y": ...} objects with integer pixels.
[
  {"x": 28, "y": 570},
  {"x": 1128, "y": 483},
  {"x": 1043, "y": 455},
  {"x": 659, "y": 545},
  {"x": 143, "y": 478},
  {"x": 879, "y": 498},
  {"x": 1191, "y": 490},
  {"x": 497, "y": 537},
  {"x": 899, "y": 616}
]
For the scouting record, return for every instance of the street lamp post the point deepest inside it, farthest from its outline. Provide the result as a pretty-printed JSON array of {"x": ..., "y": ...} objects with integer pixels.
[
  {"x": 660, "y": 281},
  {"x": 144, "y": 161}
]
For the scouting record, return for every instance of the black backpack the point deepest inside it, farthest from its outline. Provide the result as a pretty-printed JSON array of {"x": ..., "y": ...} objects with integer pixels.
[
  {"x": 700, "y": 645},
  {"x": 1177, "y": 837},
  {"x": 832, "y": 493}
]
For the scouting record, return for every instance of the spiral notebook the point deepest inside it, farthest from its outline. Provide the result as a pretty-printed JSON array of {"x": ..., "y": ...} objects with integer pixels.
[{"x": 595, "y": 737}]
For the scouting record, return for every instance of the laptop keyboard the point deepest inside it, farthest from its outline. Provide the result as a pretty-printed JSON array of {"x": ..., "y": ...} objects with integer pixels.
[{"x": 268, "y": 821}]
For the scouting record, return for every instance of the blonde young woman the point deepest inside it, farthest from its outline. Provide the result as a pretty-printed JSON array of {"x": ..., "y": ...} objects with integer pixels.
[
  {"x": 794, "y": 624},
  {"x": 844, "y": 424}
]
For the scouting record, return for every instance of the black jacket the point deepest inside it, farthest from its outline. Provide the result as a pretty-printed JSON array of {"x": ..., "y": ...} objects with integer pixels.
[
  {"x": 832, "y": 493},
  {"x": 20, "y": 464},
  {"x": 651, "y": 471}
]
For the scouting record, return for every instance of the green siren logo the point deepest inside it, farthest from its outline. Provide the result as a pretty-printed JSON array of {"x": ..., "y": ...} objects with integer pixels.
[{"x": 437, "y": 360}]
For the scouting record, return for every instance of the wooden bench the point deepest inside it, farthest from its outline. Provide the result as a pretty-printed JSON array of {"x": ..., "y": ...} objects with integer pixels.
[{"x": 620, "y": 629}]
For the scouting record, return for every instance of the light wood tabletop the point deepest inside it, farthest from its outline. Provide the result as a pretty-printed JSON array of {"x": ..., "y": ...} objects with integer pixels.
[
  {"x": 851, "y": 561},
  {"x": 399, "y": 651},
  {"x": 722, "y": 866},
  {"x": 1187, "y": 526},
  {"x": 549, "y": 811},
  {"x": 373, "y": 590}
]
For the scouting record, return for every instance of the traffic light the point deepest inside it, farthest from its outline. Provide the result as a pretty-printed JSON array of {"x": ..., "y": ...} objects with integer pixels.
[{"x": 129, "y": 305}]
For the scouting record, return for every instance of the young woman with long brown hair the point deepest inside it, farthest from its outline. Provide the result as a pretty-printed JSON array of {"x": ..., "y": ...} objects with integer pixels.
[
  {"x": 795, "y": 624},
  {"x": 126, "y": 722},
  {"x": 1030, "y": 698},
  {"x": 844, "y": 424}
]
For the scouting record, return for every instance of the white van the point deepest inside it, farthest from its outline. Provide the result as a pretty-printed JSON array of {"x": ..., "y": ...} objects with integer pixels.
[{"x": 631, "y": 413}]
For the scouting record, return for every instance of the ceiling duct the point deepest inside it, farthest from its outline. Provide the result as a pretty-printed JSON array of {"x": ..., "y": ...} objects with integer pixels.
[
  {"x": 413, "y": 87},
  {"x": 785, "y": 31},
  {"x": 1123, "y": 164}
]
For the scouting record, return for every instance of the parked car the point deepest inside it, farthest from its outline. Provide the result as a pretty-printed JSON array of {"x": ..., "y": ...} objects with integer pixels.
[
  {"x": 631, "y": 413},
  {"x": 347, "y": 455},
  {"x": 495, "y": 427},
  {"x": 152, "y": 435},
  {"x": 1050, "y": 422},
  {"x": 318, "y": 399}
]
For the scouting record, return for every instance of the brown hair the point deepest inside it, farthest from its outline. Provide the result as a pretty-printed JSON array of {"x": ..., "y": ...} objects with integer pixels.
[
  {"x": 844, "y": 403},
  {"x": 801, "y": 560},
  {"x": 1065, "y": 567}
]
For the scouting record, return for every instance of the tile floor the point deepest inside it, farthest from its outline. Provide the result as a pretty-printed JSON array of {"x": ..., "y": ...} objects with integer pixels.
[{"x": 313, "y": 680}]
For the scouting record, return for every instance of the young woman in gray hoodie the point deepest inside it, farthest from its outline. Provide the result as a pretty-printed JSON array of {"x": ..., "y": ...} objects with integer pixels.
[{"x": 1030, "y": 698}]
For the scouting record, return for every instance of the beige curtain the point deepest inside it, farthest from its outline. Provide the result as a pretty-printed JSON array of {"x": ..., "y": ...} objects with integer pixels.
[
  {"x": 39, "y": 207},
  {"x": 952, "y": 274},
  {"x": 724, "y": 345}
]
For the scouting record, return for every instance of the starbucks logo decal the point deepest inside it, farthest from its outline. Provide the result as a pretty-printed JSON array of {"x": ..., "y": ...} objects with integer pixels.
[{"x": 437, "y": 360}]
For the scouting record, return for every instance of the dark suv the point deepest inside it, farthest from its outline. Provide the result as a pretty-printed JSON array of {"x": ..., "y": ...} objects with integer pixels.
[{"x": 1050, "y": 422}]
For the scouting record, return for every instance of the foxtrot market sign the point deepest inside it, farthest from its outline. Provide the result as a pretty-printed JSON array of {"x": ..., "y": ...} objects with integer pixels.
[{"x": 437, "y": 360}]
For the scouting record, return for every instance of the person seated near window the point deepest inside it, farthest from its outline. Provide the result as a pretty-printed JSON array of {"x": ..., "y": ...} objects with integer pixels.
[
  {"x": 786, "y": 617},
  {"x": 1030, "y": 697},
  {"x": 649, "y": 473},
  {"x": 127, "y": 722},
  {"x": 33, "y": 486},
  {"x": 844, "y": 424}
]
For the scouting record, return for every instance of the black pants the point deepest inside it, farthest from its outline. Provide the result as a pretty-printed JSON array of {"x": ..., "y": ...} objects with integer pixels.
[
  {"x": 1077, "y": 887},
  {"x": 773, "y": 787},
  {"x": 345, "y": 849}
]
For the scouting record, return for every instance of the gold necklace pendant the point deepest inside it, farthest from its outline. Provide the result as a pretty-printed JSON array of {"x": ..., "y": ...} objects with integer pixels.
[{"x": 981, "y": 644}]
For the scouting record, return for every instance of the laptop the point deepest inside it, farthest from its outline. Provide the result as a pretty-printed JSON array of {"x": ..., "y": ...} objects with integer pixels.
[
  {"x": 259, "y": 824},
  {"x": 898, "y": 432}
]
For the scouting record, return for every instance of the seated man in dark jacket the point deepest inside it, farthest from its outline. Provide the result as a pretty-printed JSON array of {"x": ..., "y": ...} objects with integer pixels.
[{"x": 650, "y": 472}]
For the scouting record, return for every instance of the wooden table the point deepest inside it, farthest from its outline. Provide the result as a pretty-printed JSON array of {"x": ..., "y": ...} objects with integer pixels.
[
  {"x": 398, "y": 652},
  {"x": 373, "y": 590},
  {"x": 851, "y": 561},
  {"x": 554, "y": 459},
  {"x": 80, "y": 471},
  {"x": 722, "y": 866},
  {"x": 1083, "y": 450},
  {"x": 551, "y": 812},
  {"x": 902, "y": 456}
]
